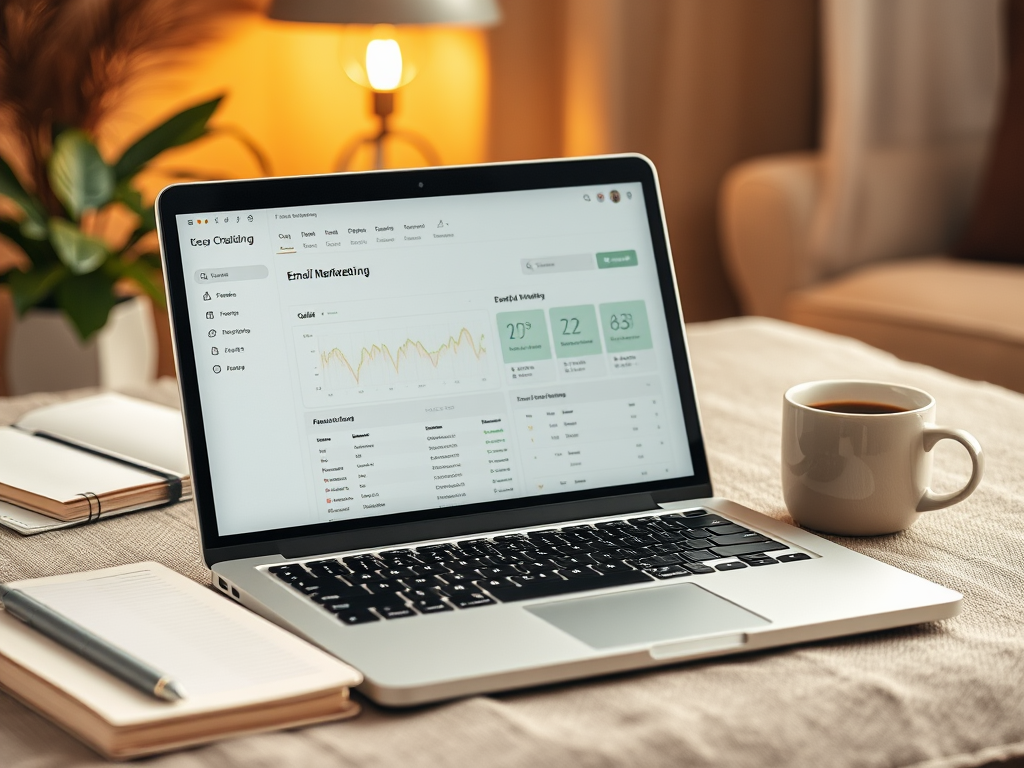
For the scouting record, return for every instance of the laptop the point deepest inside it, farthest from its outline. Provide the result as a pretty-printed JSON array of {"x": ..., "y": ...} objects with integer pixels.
[{"x": 442, "y": 424}]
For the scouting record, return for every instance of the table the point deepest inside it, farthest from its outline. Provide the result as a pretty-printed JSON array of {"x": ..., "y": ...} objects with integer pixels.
[{"x": 947, "y": 694}]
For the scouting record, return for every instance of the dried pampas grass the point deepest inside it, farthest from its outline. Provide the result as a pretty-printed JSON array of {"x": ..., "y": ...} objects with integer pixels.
[{"x": 65, "y": 63}]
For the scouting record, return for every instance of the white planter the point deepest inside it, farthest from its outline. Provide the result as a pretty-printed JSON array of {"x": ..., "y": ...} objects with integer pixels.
[{"x": 46, "y": 355}]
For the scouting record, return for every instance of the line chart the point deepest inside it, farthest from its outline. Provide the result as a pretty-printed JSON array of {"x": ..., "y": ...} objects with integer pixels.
[{"x": 364, "y": 360}]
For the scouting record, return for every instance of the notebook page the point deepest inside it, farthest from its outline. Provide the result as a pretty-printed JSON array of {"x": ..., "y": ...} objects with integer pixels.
[
  {"x": 132, "y": 428},
  {"x": 61, "y": 472},
  {"x": 220, "y": 653}
]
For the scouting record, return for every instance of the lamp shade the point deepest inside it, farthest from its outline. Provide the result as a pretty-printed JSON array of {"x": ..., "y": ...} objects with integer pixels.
[{"x": 470, "y": 13}]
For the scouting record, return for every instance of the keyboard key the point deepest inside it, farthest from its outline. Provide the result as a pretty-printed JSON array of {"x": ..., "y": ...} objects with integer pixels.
[
  {"x": 691, "y": 545},
  {"x": 697, "y": 533},
  {"x": 488, "y": 584},
  {"x": 431, "y": 605},
  {"x": 576, "y": 561},
  {"x": 669, "y": 572},
  {"x": 429, "y": 569},
  {"x": 698, "y": 568},
  {"x": 380, "y": 587},
  {"x": 701, "y": 555},
  {"x": 466, "y": 577},
  {"x": 327, "y": 568},
  {"x": 362, "y": 563},
  {"x": 746, "y": 549},
  {"x": 362, "y": 577},
  {"x": 706, "y": 521},
  {"x": 394, "y": 611},
  {"x": 465, "y": 564},
  {"x": 389, "y": 574},
  {"x": 612, "y": 567},
  {"x": 471, "y": 599},
  {"x": 793, "y": 557},
  {"x": 576, "y": 573},
  {"x": 738, "y": 538},
  {"x": 494, "y": 571},
  {"x": 356, "y": 616},
  {"x": 559, "y": 587},
  {"x": 730, "y": 528},
  {"x": 733, "y": 566},
  {"x": 423, "y": 582},
  {"x": 761, "y": 561},
  {"x": 654, "y": 562},
  {"x": 537, "y": 578}
]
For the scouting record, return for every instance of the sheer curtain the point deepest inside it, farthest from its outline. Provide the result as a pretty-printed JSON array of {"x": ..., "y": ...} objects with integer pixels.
[
  {"x": 910, "y": 95},
  {"x": 697, "y": 85}
]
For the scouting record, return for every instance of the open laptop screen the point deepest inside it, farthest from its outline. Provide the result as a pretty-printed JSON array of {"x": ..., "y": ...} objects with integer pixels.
[{"x": 376, "y": 358}]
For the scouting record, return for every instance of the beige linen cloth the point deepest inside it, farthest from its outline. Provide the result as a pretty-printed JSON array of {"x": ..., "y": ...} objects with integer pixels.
[{"x": 945, "y": 694}]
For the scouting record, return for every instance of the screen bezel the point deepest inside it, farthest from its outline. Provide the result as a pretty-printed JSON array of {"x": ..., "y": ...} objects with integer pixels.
[{"x": 429, "y": 523}]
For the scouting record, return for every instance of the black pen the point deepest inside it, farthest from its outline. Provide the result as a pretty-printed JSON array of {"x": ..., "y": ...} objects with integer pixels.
[{"x": 124, "y": 666}]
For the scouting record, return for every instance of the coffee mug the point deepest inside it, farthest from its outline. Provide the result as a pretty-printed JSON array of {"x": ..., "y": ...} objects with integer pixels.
[{"x": 857, "y": 456}]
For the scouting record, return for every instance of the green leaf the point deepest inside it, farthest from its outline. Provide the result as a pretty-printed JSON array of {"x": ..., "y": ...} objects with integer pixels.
[
  {"x": 79, "y": 177},
  {"x": 39, "y": 252},
  {"x": 81, "y": 253},
  {"x": 142, "y": 272},
  {"x": 11, "y": 187},
  {"x": 183, "y": 128},
  {"x": 87, "y": 301},
  {"x": 132, "y": 199},
  {"x": 30, "y": 288}
]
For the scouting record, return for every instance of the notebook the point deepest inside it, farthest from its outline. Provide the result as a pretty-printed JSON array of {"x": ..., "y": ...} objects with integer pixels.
[
  {"x": 81, "y": 460},
  {"x": 241, "y": 673}
]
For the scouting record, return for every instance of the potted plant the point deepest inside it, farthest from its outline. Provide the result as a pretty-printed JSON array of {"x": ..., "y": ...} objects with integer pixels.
[{"x": 82, "y": 233}]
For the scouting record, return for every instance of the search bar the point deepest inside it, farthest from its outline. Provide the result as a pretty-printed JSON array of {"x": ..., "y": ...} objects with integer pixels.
[
  {"x": 231, "y": 274},
  {"x": 547, "y": 265}
]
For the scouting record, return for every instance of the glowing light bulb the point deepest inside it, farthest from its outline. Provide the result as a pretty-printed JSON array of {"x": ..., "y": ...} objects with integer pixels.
[{"x": 384, "y": 64}]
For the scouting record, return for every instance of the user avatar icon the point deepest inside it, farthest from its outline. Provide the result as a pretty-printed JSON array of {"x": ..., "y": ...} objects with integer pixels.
[
  {"x": 207, "y": 296},
  {"x": 600, "y": 197},
  {"x": 209, "y": 315},
  {"x": 615, "y": 196},
  {"x": 216, "y": 369},
  {"x": 214, "y": 351},
  {"x": 212, "y": 333}
]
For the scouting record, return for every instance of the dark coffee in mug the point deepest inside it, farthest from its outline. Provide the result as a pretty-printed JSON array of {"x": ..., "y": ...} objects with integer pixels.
[{"x": 858, "y": 407}]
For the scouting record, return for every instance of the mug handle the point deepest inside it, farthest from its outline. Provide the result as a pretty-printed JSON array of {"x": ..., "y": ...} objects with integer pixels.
[{"x": 933, "y": 435}]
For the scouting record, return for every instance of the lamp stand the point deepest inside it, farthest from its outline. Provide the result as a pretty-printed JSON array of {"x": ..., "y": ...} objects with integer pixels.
[{"x": 383, "y": 106}]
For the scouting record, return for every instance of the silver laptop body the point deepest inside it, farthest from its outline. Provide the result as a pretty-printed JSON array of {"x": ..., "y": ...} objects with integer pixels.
[{"x": 442, "y": 424}]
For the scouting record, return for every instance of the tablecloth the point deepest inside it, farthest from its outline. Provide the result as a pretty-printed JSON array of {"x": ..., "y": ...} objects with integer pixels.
[{"x": 945, "y": 694}]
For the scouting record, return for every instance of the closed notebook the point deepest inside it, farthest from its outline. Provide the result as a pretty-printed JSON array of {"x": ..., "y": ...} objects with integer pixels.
[
  {"x": 241, "y": 674},
  {"x": 99, "y": 455}
]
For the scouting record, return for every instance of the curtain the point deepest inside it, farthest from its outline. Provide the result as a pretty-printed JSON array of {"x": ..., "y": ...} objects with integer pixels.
[
  {"x": 696, "y": 85},
  {"x": 911, "y": 90}
]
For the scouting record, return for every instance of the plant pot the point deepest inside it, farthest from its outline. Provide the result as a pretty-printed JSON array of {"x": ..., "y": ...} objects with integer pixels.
[{"x": 45, "y": 354}]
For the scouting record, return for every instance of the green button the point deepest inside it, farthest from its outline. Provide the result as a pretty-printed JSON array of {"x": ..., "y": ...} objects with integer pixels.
[{"x": 616, "y": 259}]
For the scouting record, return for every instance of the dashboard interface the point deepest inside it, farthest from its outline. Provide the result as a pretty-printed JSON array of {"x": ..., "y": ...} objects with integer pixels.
[{"x": 375, "y": 358}]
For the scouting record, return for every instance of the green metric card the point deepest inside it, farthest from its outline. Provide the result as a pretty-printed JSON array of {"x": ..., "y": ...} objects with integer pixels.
[
  {"x": 524, "y": 336},
  {"x": 575, "y": 332},
  {"x": 625, "y": 326}
]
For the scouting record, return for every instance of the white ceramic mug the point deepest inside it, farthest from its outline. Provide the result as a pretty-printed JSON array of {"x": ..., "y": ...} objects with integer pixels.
[{"x": 864, "y": 474}]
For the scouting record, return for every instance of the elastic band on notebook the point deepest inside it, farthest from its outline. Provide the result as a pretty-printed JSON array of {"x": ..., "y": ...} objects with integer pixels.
[
  {"x": 89, "y": 496},
  {"x": 172, "y": 480}
]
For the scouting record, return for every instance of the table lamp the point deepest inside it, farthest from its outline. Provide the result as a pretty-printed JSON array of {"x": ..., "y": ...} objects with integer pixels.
[{"x": 383, "y": 71}]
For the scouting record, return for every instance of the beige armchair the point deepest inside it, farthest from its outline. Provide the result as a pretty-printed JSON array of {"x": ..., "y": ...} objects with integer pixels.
[
  {"x": 853, "y": 239},
  {"x": 966, "y": 317}
]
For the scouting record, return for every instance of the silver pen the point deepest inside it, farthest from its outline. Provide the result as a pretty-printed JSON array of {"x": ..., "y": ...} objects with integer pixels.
[{"x": 107, "y": 656}]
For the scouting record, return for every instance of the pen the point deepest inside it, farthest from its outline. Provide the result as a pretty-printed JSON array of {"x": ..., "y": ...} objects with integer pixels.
[{"x": 124, "y": 666}]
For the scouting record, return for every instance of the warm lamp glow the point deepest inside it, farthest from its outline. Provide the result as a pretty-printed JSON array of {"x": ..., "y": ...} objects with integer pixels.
[{"x": 384, "y": 64}]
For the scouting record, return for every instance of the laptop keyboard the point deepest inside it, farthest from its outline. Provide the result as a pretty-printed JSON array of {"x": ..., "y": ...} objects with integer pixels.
[{"x": 470, "y": 573}]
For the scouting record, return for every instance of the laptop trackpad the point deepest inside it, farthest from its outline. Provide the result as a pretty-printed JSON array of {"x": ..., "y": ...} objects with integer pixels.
[{"x": 640, "y": 616}]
